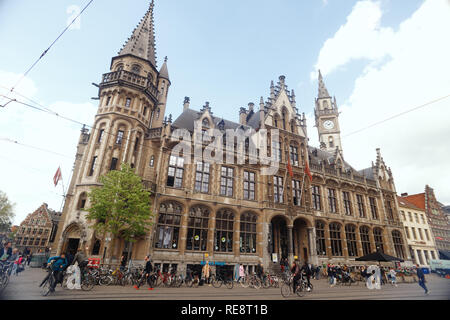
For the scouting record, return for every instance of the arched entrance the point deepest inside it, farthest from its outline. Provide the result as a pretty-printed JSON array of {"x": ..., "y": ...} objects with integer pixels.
[
  {"x": 279, "y": 238},
  {"x": 300, "y": 240},
  {"x": 71, "y": 238}
]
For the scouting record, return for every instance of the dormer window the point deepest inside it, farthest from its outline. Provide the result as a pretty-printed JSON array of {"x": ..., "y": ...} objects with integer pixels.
[{"x": 205, "y": 123}]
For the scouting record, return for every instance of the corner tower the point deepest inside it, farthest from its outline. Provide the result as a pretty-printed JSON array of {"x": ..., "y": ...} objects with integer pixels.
[{"x": 327, "y": 119}]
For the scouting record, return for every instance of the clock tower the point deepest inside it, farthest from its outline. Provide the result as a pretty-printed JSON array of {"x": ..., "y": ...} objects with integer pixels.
[{"x": 327, "y": 122}]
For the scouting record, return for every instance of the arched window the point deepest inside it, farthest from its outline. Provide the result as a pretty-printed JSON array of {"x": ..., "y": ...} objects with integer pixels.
[
  {"x": 331, "y": 141},
  {"x": 197, "y": 236},
  {"x": 82, "y": 201},
  {"x": 284, "y": 119},
  {"x": 152, "y": 161},
  {"x": 119, "y": 67},
  {"x": 96, "y": 247},
  {"x": 398, "y": 244},
  {"x": 350, "y": 234},
  {"x": 223, "y": 241},
  {"x": 378, "y": 237},
  {"x": 365, "y": 240},
  {"x": 168, "y": 228},
  {"x": 321, "y": 246},
  {"x": 335, "y": 237},
  {"x": 247, "y": 237},
  {"x": 136, "y": 69}
]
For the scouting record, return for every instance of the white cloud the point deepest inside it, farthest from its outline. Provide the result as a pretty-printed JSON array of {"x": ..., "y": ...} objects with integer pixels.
[
  {"x": 406, "y": 68},
  {"x": 26, "y": 173}
]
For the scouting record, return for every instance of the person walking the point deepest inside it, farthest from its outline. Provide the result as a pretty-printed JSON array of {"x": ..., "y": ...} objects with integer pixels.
[
  {"x": 241, "y": 272},
  {"x": 393, "y": 275},
  {"x": 6, "y": 251},
  {"x": 146, "y": 275},
  {"x": 421, "y": 277},
  {"x": 308, "y": 272},
  {"x": 206, "y": 272},
  {"x": 29, "y": 255}
]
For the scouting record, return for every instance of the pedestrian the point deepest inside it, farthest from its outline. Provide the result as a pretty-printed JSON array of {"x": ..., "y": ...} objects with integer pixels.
[
  {"x": 241, "y": 272},
  {"x": 308, "y": 272},
  {"x": 5, "y": 251},
  {"x": 29, "y": 256},
  {"x": 206, "y": 272},
  {"x": 318, "y": 273},
  {"x": 332, "y": 274},
  {"x": 123, "y": 263},
  {"x": 421, "y": 277},
  {"x": 393, "y": 276},
  {"x": 146, "y": 275},
  {"x": 260, "y": 271}
]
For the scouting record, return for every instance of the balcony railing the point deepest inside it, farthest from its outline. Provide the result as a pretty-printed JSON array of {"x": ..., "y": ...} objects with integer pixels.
[{"x": 130, "y": 78}]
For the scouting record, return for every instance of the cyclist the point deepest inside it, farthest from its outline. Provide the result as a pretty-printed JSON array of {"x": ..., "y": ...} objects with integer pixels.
[
  {"x": 307, "y": 269},
  {"x": 296, "y": 272},
  {"x": 58, "y": 264},
  {"x": 146, "y": 274}
]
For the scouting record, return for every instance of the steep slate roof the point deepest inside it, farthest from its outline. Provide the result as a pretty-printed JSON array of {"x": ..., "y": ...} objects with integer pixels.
[
  {"x": 323, "y": 155},
  {"x": 367, "y": 172},
  {"x": 142, "y": 41},
  {"x": 417, "y": 199},
  {"x": 164, "y": 73},
  {"x": 323, "y": 92},
  {"x": 187, "y": 118}
]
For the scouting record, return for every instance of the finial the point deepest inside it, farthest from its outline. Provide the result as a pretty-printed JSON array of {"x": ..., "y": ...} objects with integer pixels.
[{"x": 165, "y": 59}]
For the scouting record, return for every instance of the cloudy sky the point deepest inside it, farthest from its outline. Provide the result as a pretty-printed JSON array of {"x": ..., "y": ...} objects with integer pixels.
[{"x": 379, "y": 58}]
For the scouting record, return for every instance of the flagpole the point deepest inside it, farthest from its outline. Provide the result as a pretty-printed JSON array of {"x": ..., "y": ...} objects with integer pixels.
[{"x": 64, "y": 193}]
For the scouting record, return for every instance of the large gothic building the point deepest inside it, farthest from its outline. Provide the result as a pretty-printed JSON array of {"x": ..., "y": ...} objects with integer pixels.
[{"x": 228, "y": 213}]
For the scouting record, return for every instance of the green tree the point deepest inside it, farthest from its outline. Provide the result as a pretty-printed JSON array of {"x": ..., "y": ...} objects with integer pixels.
[
  {"x": 121, "y": 206},
  {"x": 6, "y": 212}
]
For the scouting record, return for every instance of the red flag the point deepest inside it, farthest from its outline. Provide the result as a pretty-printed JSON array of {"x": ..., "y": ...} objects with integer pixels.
[
  {"x": 57, "y": 176},
  {"x": 289, "y": 167},
  {"x": 308, "y": 172}
]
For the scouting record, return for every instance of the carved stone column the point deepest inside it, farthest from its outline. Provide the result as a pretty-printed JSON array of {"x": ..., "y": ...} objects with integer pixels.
[
  {"x": 290, "y": 249},
  {"x": 312, "y": 246}
]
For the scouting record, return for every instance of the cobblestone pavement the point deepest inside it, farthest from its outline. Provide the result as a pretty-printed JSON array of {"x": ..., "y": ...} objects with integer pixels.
[{"x": 26, "y": 287}]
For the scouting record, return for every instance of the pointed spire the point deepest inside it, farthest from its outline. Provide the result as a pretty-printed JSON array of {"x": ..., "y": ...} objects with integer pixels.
[
  {"x": 323, "y": 92},
  {"x": 142, "y": 41},
  {"x": 164, "y": 73}
]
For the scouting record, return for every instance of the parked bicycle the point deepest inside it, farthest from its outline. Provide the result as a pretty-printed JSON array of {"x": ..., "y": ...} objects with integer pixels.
[{"x": 219, "y": 280}]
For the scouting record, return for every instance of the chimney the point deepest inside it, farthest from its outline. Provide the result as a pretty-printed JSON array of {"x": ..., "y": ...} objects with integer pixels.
[
  {"x": 404, "y": 194},
  {"x": 186, "y": 103},
  {"x": 243, "y": 116}
]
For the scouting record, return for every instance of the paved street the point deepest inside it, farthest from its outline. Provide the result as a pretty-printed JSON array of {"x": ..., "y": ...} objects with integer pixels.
[{"x": 25, "y": 286}]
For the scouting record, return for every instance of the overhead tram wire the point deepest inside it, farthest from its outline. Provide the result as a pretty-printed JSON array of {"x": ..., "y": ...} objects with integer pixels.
[
  {"x": 397, "y": 115},
  {"x": 51, "y": 45}
]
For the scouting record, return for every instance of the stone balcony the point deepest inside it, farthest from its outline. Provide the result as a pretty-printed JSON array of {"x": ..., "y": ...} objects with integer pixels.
[{"x": 130, "y": 79}]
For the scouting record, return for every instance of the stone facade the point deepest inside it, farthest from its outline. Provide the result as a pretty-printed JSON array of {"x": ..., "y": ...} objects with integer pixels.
[
  {"x": 227, "y": 213},
  {"x": 419, "y": 235}
]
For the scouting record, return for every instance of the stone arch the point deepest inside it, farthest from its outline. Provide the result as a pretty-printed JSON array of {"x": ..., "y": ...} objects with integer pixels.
[{"x": 73, "y": 236}]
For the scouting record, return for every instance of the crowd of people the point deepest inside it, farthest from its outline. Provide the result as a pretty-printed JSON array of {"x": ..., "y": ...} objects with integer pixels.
[{"x": 19, "y": 258}]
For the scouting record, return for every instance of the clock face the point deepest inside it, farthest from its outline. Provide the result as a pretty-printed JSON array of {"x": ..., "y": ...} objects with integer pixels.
[{"x": 328, "y": 124}]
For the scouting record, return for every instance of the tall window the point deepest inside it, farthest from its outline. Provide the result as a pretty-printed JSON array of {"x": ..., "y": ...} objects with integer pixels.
[
  {"x": 277, "y": 189},
  {"x": 119, "y": 137},
  {"x": 202, "y": 177},
  {"x": 347, "y": 203},
  {"x": 152, "y": 161},
  {"x": 320, "y": 239},
  {"x": 175, "y": 172},
  {"x": 197, "y": 236},
  {"x": 226, "y": 181},
  {"x": 361, "y": 210},
  {"x": 390, "y": 212},
  {"x": 168, "y": 228},
  {"x": 316, "y": 198},
  {"x": 335, "y": 238},
  {"x": 82, "y": 201},
  {"x": 416, "y": 217},
  {"x": 373, "y": 208},
  {"x": 332, "y": 203},
  {"x": 223, "y": 241},
  {"x": 294, "y": 155},
  {"x": 427, "y": 234},
  {"x": 378, "y": 237},
  {"x": 100, "y": 135},
  {"x": 420, "y": 233},
  {"x": 350, "y": 233},
  {"x": 407, "y": 233},
  {"x": 128, "y": 102},
  {"x": 108, "y": 100},
  {"x": 113, "y": 165},
  {"x": 398, "y": 244},
  {"x": 91, "y": 170},
  {"x": 247, "y": 237},
  {"x": 365, "y": 239},
  {"x": 249, "y": 185},
  {"x": 136, "y": 144},
  {"x": 414, "y": 233},
  {"x": 276, "y": 151},
  {"x": 296, "y": 192},
  {"x": 331, "y": 142}
]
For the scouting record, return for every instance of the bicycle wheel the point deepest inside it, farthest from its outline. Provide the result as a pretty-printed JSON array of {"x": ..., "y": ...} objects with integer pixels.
[
  {"x": 105, "y": 280},
  {"x": 256, "y": 283},
  {"x": 196, "y": 283},
  {"x": 188, "y": 283},
  {"x": 229, "y": 284},
  {"x": 265, "y": 283},
  {"x": 216, "y": 282},
  {"x": 286, "y": 290},
  {"x": 300, "y": 290},
  {"x": 88, "y": 283},
  {"x": 158, "y": 281},
  {"x": 45, "y": 288}
]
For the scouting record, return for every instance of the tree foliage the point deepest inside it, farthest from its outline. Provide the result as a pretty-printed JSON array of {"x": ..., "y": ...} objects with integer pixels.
[
  {"x": 6, "y": 212},
  {"x": 121, "y": 206}
]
